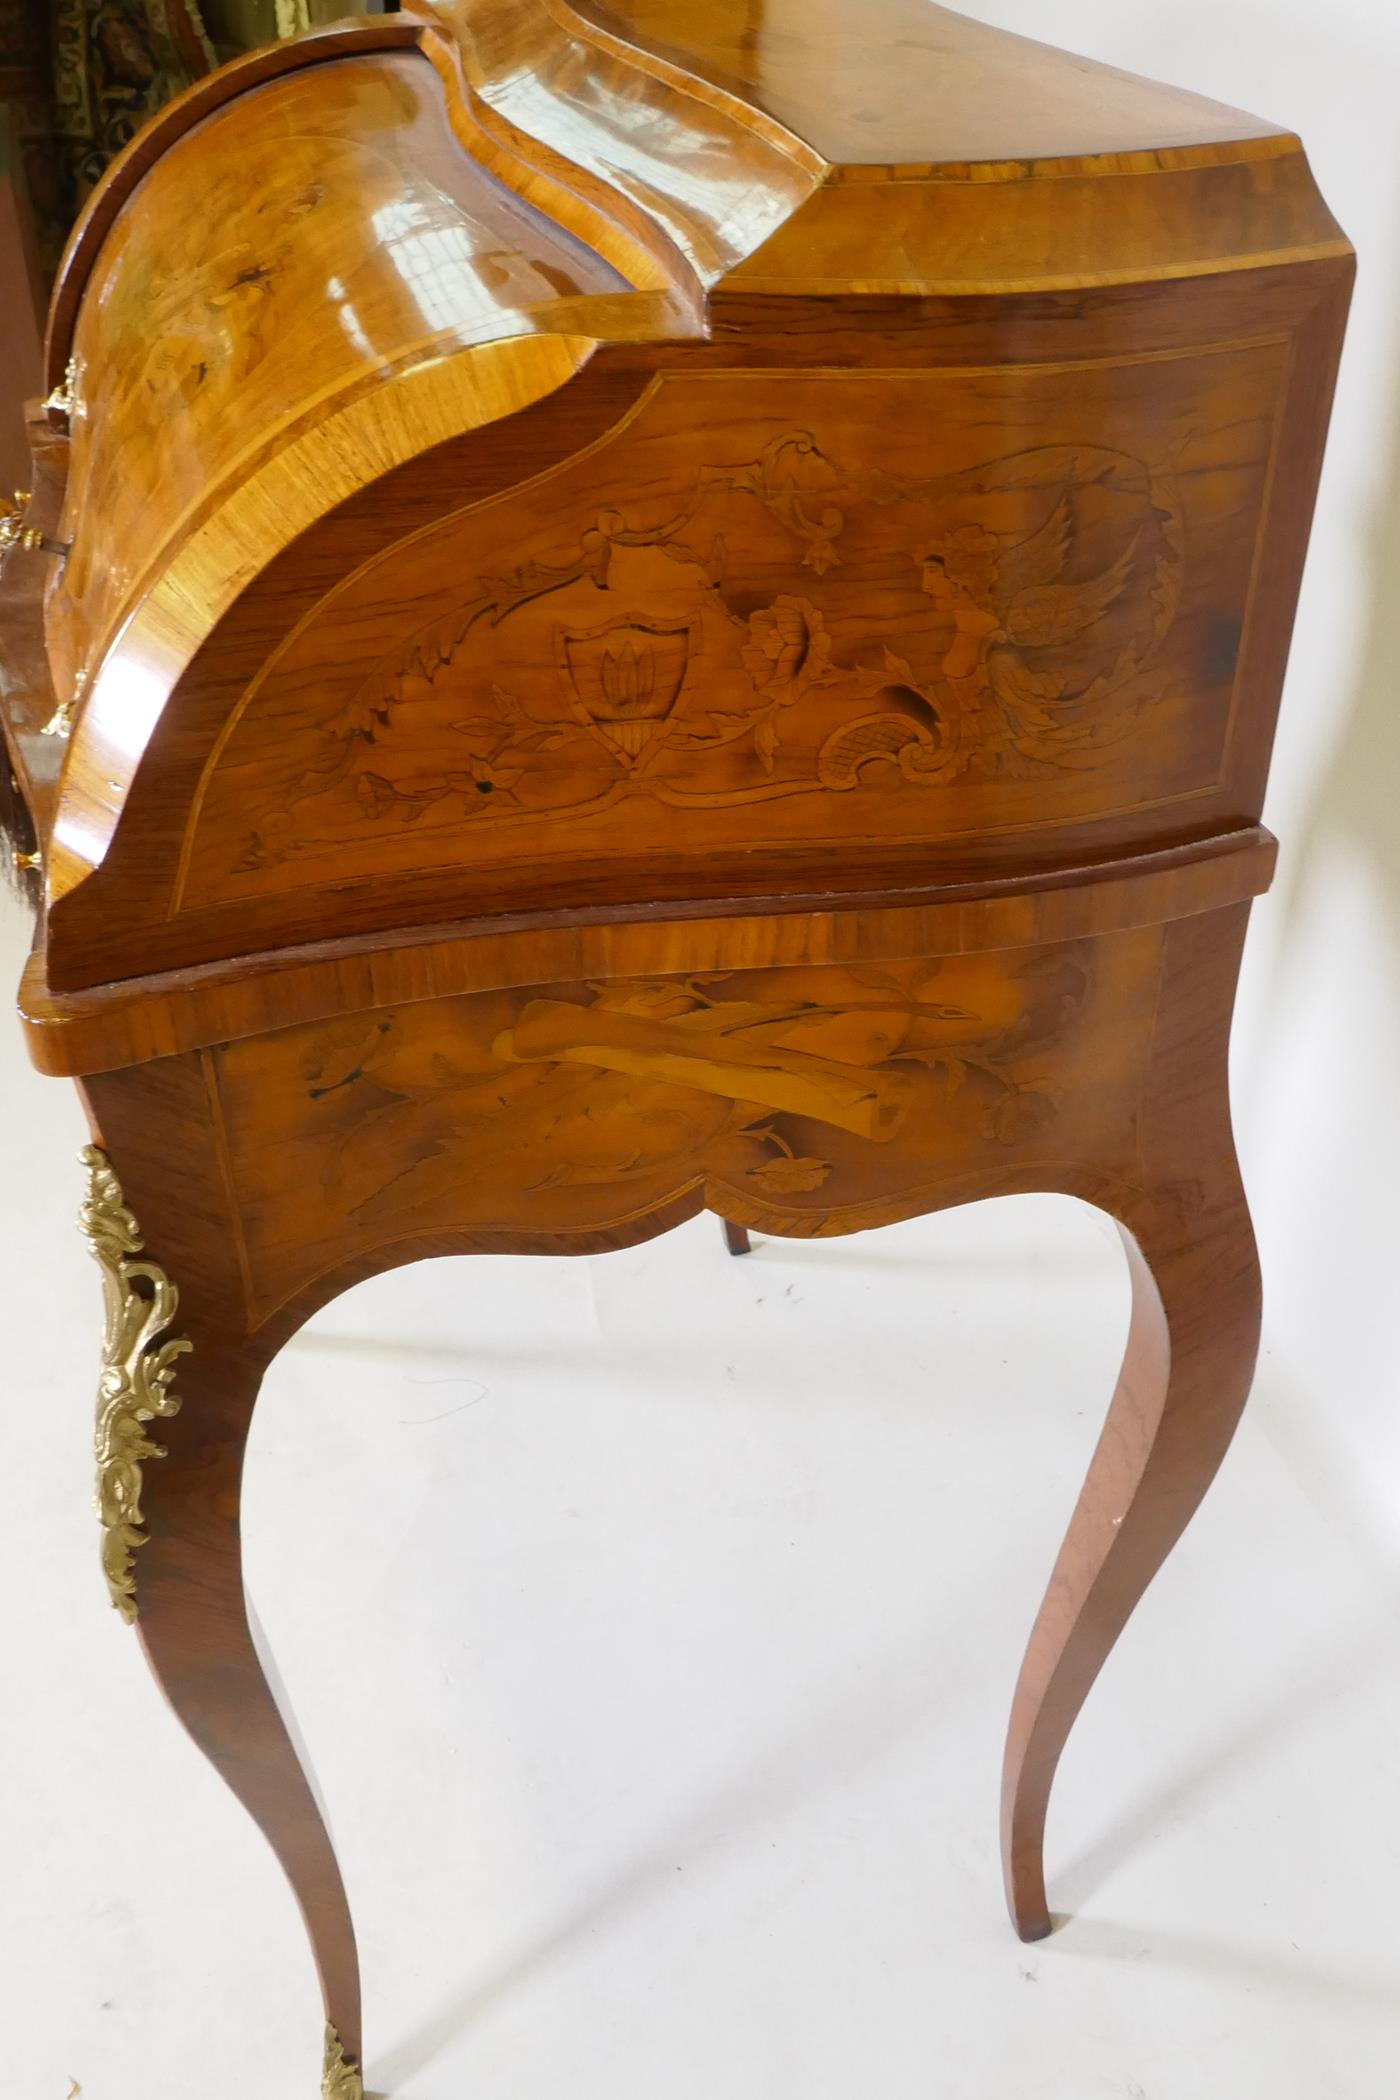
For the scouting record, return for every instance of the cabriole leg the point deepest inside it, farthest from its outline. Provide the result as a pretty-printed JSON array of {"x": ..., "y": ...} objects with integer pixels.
[
  {"x": 1186, "y": 1374},
  {"x": 1184, "y": 1382},
  {"x": 171, "y": 1550}
]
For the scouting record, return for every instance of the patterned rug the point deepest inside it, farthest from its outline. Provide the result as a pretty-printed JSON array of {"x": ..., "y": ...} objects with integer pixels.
[
  {"x": 80, "y": 77},
  {"x": 114, "y": 63}
]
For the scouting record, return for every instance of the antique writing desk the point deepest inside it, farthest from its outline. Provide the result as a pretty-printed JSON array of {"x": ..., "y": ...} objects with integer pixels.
[{"x": 646, "y": 604}]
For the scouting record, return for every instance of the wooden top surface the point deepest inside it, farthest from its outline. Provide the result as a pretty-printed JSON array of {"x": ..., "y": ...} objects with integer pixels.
[{"x": 889, "y": 82}]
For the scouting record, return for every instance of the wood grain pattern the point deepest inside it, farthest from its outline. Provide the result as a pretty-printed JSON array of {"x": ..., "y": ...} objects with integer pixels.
[
  {"x": 195, "y": 355},
  {"x": 670, "y": 606},
  {"x": 194, "y": 1617},
  {"x": 123, "y": 915},
  {"x": 235, "y": 553},
  {"x": 131, "y": 1022},
  {"x": 805, "y": 1101},
  {"x": 931, "y": 87},
  {"x": 1133, "y": 1025},
  {"x": 1186, "y": 1375},
  {"x": 839, "y": 619}
]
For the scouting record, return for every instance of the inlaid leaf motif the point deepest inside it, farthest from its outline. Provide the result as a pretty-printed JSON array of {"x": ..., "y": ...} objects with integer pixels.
[
  {"x": 790, "y": 1177},
  {"x": 789, "y": 648}
]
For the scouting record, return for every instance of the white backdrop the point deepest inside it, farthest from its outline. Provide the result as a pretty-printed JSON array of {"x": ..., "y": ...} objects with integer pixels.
[{"x": 1318, "y": 1029}]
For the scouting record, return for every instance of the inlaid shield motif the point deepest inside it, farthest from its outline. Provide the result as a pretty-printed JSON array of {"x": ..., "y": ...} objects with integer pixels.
[{"x": 625, "y": 679}]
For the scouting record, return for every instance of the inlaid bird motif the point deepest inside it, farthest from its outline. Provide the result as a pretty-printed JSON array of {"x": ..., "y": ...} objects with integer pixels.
[{"x": 1012, "y": 608}]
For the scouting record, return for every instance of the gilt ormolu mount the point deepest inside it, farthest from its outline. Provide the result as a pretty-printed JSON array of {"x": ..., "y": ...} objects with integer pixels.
[{"x": 686, "y": 609}]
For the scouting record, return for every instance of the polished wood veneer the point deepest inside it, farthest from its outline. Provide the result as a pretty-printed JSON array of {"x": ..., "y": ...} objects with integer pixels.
[{"x": 666, "y": 607}]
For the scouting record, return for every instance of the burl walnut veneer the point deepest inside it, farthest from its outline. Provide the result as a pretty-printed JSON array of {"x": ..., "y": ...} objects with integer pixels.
[{"x": 641, "y": 605}]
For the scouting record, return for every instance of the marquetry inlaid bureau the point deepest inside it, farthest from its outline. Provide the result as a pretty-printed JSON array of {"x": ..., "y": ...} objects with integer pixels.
[{"x": 640, "y": 605}]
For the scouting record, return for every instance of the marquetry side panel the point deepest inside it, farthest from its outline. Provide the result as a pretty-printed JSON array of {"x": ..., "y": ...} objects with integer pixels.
[
  {"x": 787, "y": 609},
  {"x": 802, "y": 1100}
]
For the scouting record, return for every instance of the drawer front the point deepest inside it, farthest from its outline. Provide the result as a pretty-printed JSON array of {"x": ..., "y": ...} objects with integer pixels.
[{"x": 807, "y": 1101}]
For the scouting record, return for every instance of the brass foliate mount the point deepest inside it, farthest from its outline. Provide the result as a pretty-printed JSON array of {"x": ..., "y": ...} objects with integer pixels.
[
  {"x": 138, "y": 1365},
  {"x": 16, "y": 536},
  {"x": 342, "y": 2079}
]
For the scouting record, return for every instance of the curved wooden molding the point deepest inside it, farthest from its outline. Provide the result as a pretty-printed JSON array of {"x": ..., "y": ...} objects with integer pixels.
[
  {"x": 297, "y": 482},
  {"x": 159, "y": 558},
  {"x": 729, "y": 175},
  {"x": 76, "y": 1033},
  {"x": 180, "y": 115},
  {"x": 481, "y": 52}
]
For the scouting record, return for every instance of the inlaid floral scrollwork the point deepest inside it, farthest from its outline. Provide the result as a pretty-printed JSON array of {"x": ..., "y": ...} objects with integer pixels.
[
  {"x": 1022, "y": 600},
  {"x": 138, "y": 1367}
]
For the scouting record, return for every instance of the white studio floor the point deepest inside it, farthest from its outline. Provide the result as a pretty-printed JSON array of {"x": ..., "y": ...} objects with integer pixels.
[{"x": 652, "y": 1620}]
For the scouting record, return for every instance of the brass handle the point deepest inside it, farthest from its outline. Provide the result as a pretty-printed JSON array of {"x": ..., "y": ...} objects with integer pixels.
[
  {"x": 27, "y": 538},
  {"x": 27, "y": 863}
]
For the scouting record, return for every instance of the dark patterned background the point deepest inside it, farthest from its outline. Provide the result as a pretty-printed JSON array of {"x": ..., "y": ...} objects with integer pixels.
[{"x": 114, "y": 63}]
